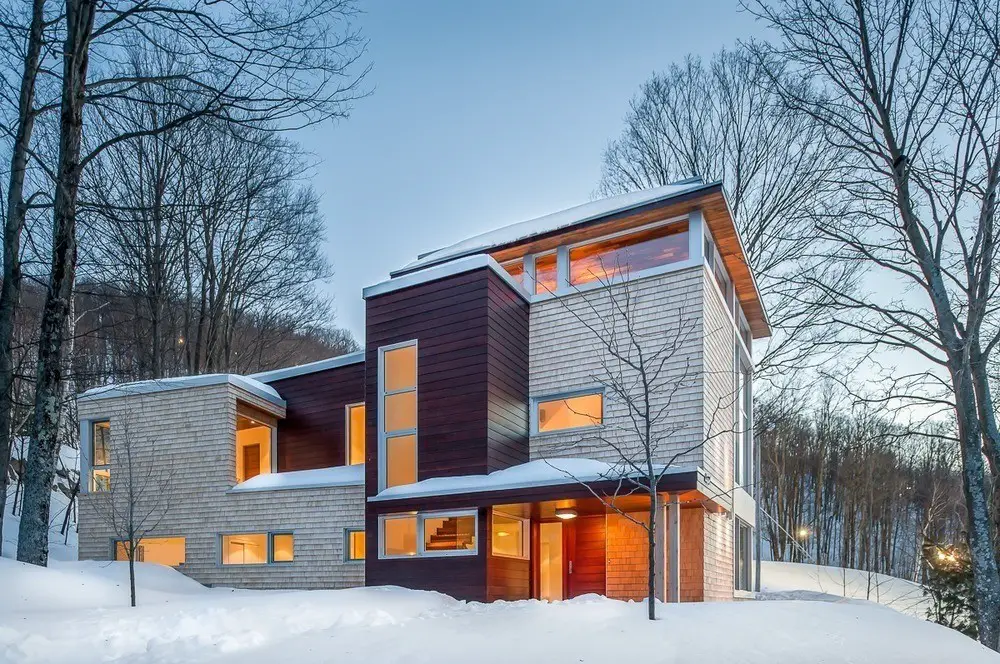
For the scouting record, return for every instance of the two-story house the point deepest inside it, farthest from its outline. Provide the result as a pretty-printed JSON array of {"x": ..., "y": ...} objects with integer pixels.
[{"x": 477, "y": 446}]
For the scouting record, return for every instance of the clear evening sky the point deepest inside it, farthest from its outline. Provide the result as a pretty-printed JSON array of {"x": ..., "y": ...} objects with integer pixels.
[{"x": 485, "y": 114}]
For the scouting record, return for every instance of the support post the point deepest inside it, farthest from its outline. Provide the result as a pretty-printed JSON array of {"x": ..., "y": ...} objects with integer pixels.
[
  {"x": 661, "y": 548},
  {"x": 674, "y": 532}
]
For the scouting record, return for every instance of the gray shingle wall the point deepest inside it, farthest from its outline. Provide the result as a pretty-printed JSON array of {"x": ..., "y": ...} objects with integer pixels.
[
  {"x": 185, "y": 442},
  {"x": 720, "y": 387}
]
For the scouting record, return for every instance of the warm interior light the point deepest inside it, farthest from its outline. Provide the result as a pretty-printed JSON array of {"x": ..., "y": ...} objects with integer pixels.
[
  {"x": 565, "y": 512},
  {"x": 503, "y": 533}
]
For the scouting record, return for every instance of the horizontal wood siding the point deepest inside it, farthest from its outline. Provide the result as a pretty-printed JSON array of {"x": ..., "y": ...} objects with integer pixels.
[
  {"x": 507, "y": 434},
  {"x": 312, "y": 434}
]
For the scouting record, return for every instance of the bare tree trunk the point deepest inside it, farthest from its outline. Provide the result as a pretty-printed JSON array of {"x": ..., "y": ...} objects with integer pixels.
[
  {"x": 10, "y": 283},
  {"x": 33, "y": 541}
]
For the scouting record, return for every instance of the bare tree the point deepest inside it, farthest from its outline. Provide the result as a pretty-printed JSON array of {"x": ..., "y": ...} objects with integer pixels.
[
  {"x": 908, "y": 90},
  {"x": 720, "y": 120},
  {"x": 135, "y": 499},
  {"x": 648, "y": 367},
  {"x": 266, "y": 68}
]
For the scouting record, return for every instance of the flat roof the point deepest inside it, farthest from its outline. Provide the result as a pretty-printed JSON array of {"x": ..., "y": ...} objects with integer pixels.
[
  {"x": 245, "y": 383},
  {"x": 310, "y": 367}
]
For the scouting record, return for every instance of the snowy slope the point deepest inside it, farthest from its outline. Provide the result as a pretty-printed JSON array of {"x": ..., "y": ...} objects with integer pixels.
[
  {"x": 60, "y": 546},
  {"x": 831, "y": 584},
  {"x": 78, "y": 612}
]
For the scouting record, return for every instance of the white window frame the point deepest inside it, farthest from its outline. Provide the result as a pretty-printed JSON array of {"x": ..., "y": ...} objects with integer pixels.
[
  {"x": 743, "y": 423},
  {"x": 558, "y": 396},
  {"x": 631, "y": 231},
  {"x": 347, "y": 431},
  {"x": 532, "y": 292},
  {"x": 421, "y": 517},
  {"x": 525, "y": 535},
  {"x": 382, "y": 394},
  {"x": 347, "y": 544},
  {"x": 740, "y": 524}
]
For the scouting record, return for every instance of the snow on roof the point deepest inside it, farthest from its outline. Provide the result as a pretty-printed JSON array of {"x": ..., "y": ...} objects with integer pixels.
[
  {"x": 555, "y": 221},
  {"x": 450, "y": 269},
  {"x": 304, "y": 479},
  {"x": 311, "y": 367},
  {"x": 246, "y": 383},
  {"x": 543, "y": 472}
]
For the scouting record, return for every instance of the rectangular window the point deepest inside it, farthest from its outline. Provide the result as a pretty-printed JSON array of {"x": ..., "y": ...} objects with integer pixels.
[
  {"x": 627, "y": 254},
  {"x": 744, "y": 556},
  {"x": 398, "y": 415},
  {"x": 546, "y": 273},
  {"x": 100, "y": 456},
  {"x": 354, "y": 541},
  {"x": 167, "y": 551},
  {"x": 355, "y": 419},
  {"x": 743, "y": 430},
  {"x": 515, "y": 269},
  {"x": 282, "y": 548},
  {"x": 428, "y": 534},
  {"x": 245, "y": 549},
  {"x": 253, "y": 444},
  {"x": 584, "y": 410},
  {"x": 511, "y": 536}
]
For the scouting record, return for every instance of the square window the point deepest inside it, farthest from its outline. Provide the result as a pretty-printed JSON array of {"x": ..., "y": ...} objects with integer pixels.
[
  {"x": 399, "y": 536},
  {"x": 400, "y": 460},
  {"x": 449, "y": 533},
  {"x": 400, "y": 368},
  {"x": 400, "y": 411}
]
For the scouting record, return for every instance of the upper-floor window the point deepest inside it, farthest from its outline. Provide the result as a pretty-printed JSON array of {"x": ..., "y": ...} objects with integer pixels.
[
  {"x": 254, "y": 437},
  {"x": 569, "y": 412},
  {"x": 743, "y": 431},
  {"x": 355, "y": 419},
  {"x": 397, "y": 414},
  {"x": 546, "y": 273},
  {"x": 515, "y": 269},
  {"x": 629, "y": 253},
  {"x": 100, "y": 456}
]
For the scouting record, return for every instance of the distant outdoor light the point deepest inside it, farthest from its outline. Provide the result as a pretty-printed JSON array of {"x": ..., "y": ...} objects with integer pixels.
[
  {"x": 803, "y": 533},
  {"x": 565, "y": 513},
  {"x": 180, "y": 341}
]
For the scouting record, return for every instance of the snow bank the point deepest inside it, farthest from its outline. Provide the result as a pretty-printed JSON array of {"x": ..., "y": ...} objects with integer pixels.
[
  {"x": 834, "y": 584},
  {"x": 544, "y": 472},
  {"x": 61, "y": 547},
  {"x": 305, "y": 479},
  {"x": 177, "y": 620}
]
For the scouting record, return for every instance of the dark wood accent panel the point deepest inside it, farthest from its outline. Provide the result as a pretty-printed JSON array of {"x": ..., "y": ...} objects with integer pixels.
[
  {"x": 507, "y": 363},
  {"x": 462, "y": 577},
  {"x": 312, "y": 435},
  {"x": 584, "y": 545}
]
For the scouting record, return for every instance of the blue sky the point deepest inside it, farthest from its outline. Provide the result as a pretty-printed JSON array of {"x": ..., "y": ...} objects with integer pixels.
[{"x": 485, "y": 114}]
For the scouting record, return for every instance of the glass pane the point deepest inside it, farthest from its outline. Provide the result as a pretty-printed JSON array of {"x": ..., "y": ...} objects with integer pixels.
[
  {"x": 508, "y": 536},
  {"x": 356, "y": 545},
  {"x": 399, "y": 536},
  {"x": 550, "y": 564},
  {"x": 244, "y": 549},
  {"x": 401, "y": 460},
  {"x": 400, "y": 367},
  {"x": 356, "y": 435},
  {"x": 400, "y": 411},
  {"x": 283, "y": 548},
  {"x": 628, "y": 253},
  {"x": 450, "y": 533},
  {"x": 516, "y": 270},
  {"x": 100, "y": 480},
  {"x": 161, "y": 550},
  {"x": 253, "y": 448},
  {"x": 581, "y": 411},
  {"x": 545, "y": 273},
  {"x": 102, "y": 444}
]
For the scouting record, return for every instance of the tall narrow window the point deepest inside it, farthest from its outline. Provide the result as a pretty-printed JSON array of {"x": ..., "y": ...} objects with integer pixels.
[
  {"x": 398, "y": 415},
  {"x": 355, "y": 434},
  {"x": 743, "y": 429},
  {"x": 100, "y": 456},
  {"x": 354, "y": 544},
  {"x": 743, "y": 557},
  {"x": 253, "y": 445}
]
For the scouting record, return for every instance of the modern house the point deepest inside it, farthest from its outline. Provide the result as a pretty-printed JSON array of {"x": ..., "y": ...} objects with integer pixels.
[{"x": 488, "y": 441}]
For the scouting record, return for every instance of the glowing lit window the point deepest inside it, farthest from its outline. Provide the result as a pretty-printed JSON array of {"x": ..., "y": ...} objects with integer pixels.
[
  {"x": 585, "y": 410},
  {"x": 516, "y": 270},
  {"x": 167, "y": 551},
  {"x": 355, "y": 434},
  {"x": 546, "y": 274},
  {"x": 628, "y": 254},
  {"x": 428, "y": 534},
  {"x": 398, "y": 415},
  {"x": 282, "y": 548},
  {"x": 510, "y": 536},
  {"x": 449, "y": 533},
  {"x": 246, "y": 549},
  {"x": 355, "y": 549},
  {"x": 399, "y": 536},
  {"x": 100, "y": 456},
  {"x": 253, "y": 444}
]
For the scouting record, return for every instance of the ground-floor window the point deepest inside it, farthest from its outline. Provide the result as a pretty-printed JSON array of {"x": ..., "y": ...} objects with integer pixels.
[
  {"x": 355, "y": 544},
  {"x": 510, "y": 537},
  {"x": 743, "y": 555},
  {"x": 258, "y": 548},
  {"x": 162, "y": 550},
  {"x": 428, "y": 534}
]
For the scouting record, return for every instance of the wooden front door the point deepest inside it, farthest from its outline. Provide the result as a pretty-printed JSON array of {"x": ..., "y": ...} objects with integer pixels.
[{"x": 584, "y": 547}]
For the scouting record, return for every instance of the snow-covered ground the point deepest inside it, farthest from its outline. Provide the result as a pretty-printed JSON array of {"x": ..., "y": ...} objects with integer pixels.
[
  {"x": 77, "y": 612},
  {"x": 61, "y": 546}
]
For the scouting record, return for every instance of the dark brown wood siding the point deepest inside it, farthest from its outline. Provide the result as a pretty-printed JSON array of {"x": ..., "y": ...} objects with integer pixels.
[
  {"x": 312, "y": 435},
  {"x": 472, "y": 405}
]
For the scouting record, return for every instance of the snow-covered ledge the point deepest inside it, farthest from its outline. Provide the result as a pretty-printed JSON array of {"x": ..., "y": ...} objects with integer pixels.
[
  {"x": 542, "y": 472},
  {"x": 304, "y": 479}
]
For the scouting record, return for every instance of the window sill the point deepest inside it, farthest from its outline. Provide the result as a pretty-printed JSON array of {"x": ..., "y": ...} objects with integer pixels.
[{"x": 545, "y": 434}]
